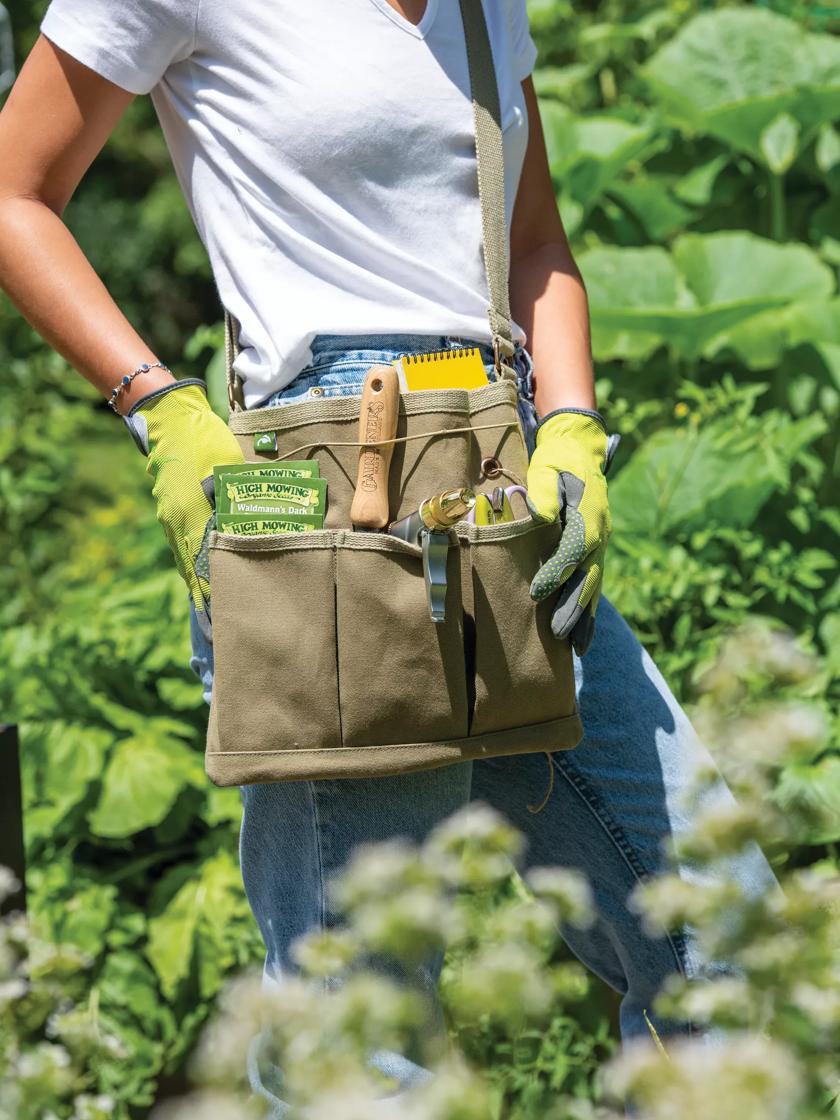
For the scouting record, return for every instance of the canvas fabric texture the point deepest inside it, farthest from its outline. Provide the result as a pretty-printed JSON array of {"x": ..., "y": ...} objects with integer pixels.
[{"x": 327, "y": 663}]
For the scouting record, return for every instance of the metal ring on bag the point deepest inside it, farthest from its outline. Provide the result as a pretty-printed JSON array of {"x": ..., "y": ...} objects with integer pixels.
[{"x": 490, "y": 467}]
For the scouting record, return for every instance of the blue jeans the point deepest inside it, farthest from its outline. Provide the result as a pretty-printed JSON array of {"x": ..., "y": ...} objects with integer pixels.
[{"x": 616, "y": 798}]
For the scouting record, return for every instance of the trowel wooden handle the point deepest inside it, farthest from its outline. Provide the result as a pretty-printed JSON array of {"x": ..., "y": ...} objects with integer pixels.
[{"x": 377, "y": 421}]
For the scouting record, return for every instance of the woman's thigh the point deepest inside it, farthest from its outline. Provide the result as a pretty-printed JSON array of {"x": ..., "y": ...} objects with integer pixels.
[{"x": 296, "y": 835}]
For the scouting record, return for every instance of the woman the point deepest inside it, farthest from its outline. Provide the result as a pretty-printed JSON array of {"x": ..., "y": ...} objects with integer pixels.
[{"x": 326, "y": 151}]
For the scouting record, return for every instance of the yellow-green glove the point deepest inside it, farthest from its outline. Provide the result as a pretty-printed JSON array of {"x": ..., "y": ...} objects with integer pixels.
[
  {"x": 566, "y": 479},
  {"x": 183, "y": 439}
]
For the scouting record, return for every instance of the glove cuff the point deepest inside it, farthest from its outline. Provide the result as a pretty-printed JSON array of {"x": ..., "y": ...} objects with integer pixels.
[
  {"x": 172, "y": 388},
  {"x": 591, "y": 412},
  {"x": 137, "y": 425}
]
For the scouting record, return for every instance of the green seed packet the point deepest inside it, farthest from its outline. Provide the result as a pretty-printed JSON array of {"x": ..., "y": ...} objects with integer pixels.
[
  {"x": 287, "y": 468},
  {"x": 272, "y": 509},
  {"x": 239, "y": 526},
  {"x": 308, "y": 494}
]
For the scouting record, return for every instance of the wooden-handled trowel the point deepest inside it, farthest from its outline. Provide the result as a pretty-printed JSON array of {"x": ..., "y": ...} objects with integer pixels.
[{"x": 377, "y": 421}]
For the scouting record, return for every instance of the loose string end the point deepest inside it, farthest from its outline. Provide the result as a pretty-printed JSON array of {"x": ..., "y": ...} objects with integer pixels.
[{"x": 539, "y": 808}]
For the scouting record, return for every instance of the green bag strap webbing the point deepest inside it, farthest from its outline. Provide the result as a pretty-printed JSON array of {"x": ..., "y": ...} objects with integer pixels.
[{"x": 491, "y": 192}]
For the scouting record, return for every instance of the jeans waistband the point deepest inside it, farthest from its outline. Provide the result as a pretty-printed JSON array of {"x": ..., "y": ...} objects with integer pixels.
[
  {"x": 329, "y": 343},
  {"x": 412, "y": 343}
]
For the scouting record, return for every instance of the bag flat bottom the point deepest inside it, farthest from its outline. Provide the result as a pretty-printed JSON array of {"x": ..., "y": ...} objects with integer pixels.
[{"x": 233, "y": 768}]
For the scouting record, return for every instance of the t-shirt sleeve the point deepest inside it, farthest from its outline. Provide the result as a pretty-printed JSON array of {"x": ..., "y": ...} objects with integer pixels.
[
  {"x": 524, "y": 47},
  {"x": 129, "y": 42}
]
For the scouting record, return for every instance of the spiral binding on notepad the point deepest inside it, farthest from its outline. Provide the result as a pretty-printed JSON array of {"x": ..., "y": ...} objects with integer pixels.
[{"x": 460, "y": 352}]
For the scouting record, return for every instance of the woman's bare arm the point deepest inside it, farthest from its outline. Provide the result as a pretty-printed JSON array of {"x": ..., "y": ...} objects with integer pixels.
[
  {"x": 547, "y": 295},
  {"x": 56, "y": 119}
]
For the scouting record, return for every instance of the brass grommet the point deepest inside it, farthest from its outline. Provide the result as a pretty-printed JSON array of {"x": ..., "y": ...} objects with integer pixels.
[
  {"x": 316, "y": 391},
  {"x": 490, "y": 467}
]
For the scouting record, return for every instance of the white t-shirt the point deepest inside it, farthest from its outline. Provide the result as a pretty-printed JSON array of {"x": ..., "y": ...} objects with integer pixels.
[{"x": 326, "y": 150}]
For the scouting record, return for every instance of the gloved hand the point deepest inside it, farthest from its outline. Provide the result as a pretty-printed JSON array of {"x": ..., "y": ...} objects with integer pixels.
[
  {"x": 566, "y": 477},
  {"x": 183, "y": 439}
]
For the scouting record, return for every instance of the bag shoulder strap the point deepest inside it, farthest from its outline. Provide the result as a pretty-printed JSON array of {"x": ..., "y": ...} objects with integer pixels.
[
  {"x": 490, "y": 163},
  {"x": 491, "y": 191}
]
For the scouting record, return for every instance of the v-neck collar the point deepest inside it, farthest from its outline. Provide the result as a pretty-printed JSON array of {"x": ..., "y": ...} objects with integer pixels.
[{"x": 418, "y": 30}]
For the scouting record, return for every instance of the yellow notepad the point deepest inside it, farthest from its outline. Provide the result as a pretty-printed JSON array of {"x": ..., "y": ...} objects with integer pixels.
[{"x": 442, "y": 369}]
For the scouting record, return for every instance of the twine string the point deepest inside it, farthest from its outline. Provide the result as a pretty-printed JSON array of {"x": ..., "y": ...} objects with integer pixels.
[{"x": 396, "y": 439}]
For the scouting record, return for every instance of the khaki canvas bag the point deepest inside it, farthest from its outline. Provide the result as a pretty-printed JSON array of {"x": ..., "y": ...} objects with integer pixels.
[{"x": 327, "y": 663}]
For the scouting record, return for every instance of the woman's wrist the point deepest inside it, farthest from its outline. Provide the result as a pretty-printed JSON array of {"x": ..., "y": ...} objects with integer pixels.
[
  {"x": 143, "y": 384},
  {"x": 568, "y": 391}
]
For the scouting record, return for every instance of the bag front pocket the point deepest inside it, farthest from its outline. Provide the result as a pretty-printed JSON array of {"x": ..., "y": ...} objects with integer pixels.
[
  {"x": 275, "y": 684},
  {"x": 401, "y": 675},
  {"x": 523, "y": 675}
]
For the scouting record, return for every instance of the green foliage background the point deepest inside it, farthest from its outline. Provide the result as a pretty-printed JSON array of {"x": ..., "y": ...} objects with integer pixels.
[{"x": 696, "y": 158}]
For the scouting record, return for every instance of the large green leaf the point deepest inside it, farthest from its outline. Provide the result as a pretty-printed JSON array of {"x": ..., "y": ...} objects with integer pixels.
[
  {"x": 710, "y": 285},
  {"x": 62, "y": 761},
  {"x": 732, "y": 73},
  {"x": 761, "y": 342},
  {"x": 172, "y": 938},
  {"x": 652, "y": 203},
  {"x": 142, "y": 782},
  {"x": 586, "y": 154},
  {"x": 205, "y": 926},
  {"x": 696, "y": 477},
  {"x": 723, "y": 268}
]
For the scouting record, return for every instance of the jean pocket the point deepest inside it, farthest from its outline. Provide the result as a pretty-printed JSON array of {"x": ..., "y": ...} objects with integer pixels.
[{"x": 327, "y": 379}]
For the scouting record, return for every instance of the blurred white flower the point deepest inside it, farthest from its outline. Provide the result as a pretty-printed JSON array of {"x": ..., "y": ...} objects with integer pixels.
[
  {"x": 748, "y": 1078},
  {"x": 9, "y": 883},
  {"x": 567, "y": 891},
  {"x": 475, "y": 847},
  {"x": 669, "y": 902},
  {"x": 505, "y": 982}
]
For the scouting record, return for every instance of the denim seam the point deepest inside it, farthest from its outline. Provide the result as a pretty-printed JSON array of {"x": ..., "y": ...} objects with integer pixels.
[
  {"x": 311, "y": 371},
  {"x": 615, "y": 832},
  {"x": 316, "y": 826}
]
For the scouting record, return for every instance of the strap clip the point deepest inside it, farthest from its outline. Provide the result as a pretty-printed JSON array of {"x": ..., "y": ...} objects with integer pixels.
[{"x": 503, "y": 348}]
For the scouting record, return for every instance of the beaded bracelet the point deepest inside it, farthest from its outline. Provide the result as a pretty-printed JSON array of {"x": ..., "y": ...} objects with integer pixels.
[{"x": 127, "y": 378}]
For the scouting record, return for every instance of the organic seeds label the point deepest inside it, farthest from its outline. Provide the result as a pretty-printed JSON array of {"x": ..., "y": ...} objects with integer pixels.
[{"x": 309, "y": 495}]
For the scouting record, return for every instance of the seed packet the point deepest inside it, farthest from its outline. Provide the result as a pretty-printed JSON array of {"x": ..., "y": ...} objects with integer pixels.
[
  {"x": 273, "y": 509},
  {"x": 309, "y": 494},
  {"x": 239, "y": 526},
  {"x": 290, "y": 468}
]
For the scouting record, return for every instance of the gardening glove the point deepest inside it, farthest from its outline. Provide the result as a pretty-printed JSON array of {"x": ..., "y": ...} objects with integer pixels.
[
  {"x": 566, "y": 479},
  {"x": 183, "y": 439}
]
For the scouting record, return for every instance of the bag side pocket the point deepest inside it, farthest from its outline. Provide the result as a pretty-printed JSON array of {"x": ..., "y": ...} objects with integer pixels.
[
  {"x": 401, "y": 675},
  {"x": 522, "y": 674},
  {"x": 275, "y": 687}
]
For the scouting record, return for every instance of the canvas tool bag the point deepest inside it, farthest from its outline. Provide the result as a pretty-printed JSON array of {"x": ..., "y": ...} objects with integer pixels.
[{"x": 327, "y": 663}]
